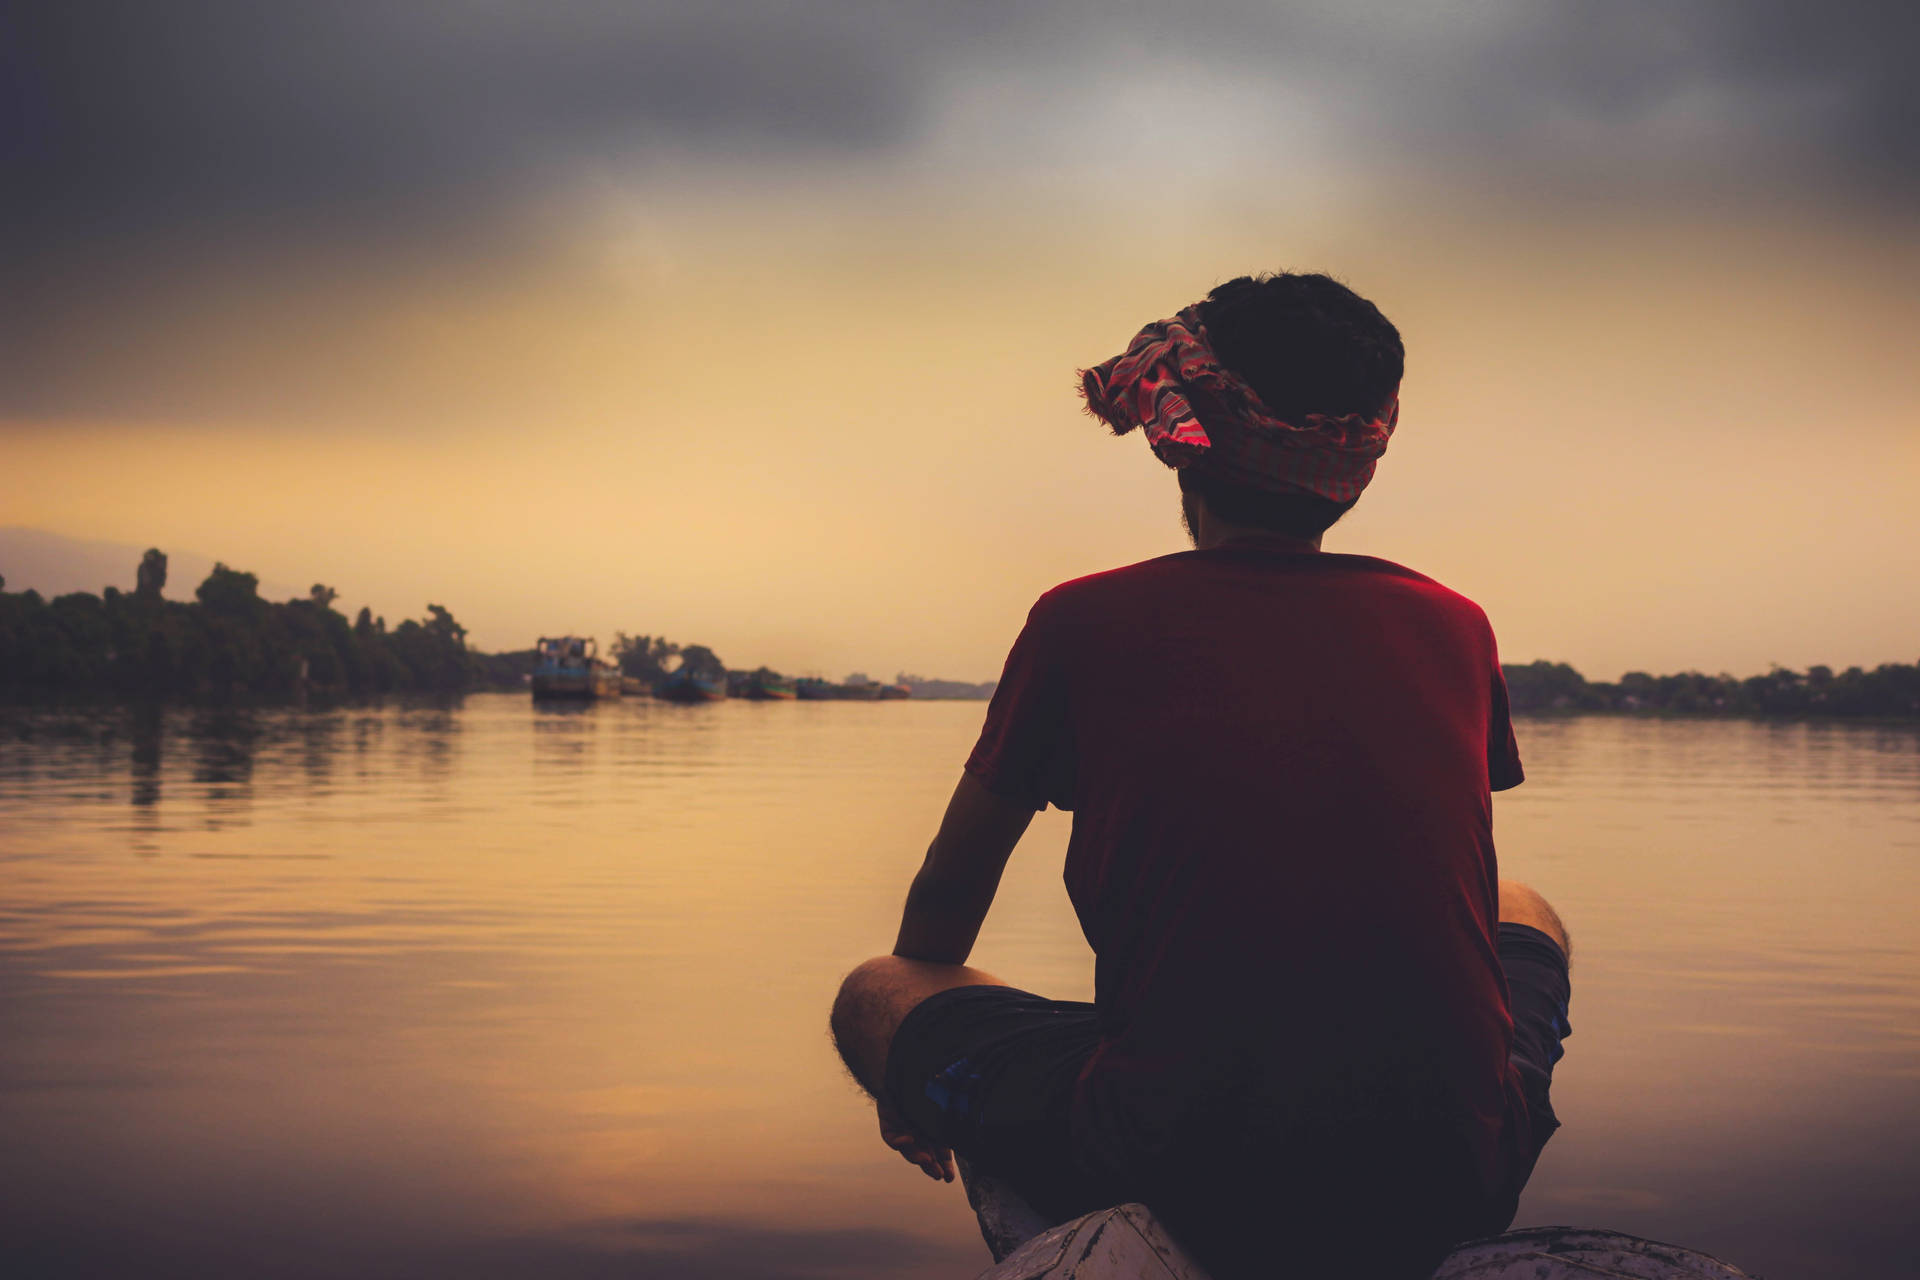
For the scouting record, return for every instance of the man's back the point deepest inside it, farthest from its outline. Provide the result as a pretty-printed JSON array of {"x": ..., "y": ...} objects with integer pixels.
[
  {"x": 1319, "y": 1009},
  {"x": 1279, "y": 764}
]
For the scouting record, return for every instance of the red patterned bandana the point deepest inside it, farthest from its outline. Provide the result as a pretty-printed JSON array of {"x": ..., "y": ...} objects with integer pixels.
[{"x": 1168, "y": 367}]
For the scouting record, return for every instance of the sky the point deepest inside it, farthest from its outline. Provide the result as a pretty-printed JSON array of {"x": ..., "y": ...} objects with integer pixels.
[{"x": 755, "y": 325}]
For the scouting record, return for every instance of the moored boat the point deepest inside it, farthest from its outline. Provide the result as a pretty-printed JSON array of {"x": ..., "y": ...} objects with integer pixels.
[
  {"x": 766, "y": 685},
  {"x": 855, "y": 688},
  {"x": 570, "y": 667},
  {"x": 691, "y": 686}
]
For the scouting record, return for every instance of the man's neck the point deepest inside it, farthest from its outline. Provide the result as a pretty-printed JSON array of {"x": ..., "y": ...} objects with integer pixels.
[{"x": 1210, "y": 531}]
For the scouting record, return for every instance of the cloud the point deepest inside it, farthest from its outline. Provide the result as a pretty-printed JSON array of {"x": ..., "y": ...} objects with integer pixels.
[
  {"x": 133, "y": 122},
  {"x": 334, "y": 212},
  {"x": 145, "y": 118}
]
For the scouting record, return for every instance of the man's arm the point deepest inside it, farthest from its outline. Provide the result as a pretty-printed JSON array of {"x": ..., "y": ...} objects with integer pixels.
[{"x": 956, "y": 883}]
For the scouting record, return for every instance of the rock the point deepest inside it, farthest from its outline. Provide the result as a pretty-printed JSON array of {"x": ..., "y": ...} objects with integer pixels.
[
  {"x": 1579, "y": 1253},
  {"x": 1006, "y": 1221},
  {"x": 1127, "y": 1242},
  {"x": 1124, "y": 1241}
]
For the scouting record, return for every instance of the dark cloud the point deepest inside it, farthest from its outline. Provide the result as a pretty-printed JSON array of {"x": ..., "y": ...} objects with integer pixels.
[
  {"x": 150, "y": 120},
  {"x": 1804, "y": 90},
  {"x": 141, "y": 117}
]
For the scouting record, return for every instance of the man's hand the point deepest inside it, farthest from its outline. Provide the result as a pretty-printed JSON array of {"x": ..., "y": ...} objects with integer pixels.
[{"x": 935, "y": 1162}]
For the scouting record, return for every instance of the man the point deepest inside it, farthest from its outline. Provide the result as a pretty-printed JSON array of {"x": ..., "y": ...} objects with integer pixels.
[{"x": 1320, "y": 1016}]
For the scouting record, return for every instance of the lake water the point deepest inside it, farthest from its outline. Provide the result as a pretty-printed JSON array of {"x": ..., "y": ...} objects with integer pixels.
[{"x": 500, "y": 991}]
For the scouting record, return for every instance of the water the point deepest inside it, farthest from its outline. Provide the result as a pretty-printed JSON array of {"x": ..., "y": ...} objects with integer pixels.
[{"x": 504, "y": 991}]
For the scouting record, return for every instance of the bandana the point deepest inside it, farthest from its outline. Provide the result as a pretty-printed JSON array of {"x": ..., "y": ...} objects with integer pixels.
[{"x": 1168, "y": 366}]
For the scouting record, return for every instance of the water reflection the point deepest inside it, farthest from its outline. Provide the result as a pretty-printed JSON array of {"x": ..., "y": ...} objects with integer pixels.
[
  {"x": 146, "y": 725},
  {"x": 504, "y": 990}
]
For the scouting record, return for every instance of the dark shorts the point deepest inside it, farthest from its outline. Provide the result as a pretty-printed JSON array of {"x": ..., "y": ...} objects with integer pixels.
[
  {"x": 1537, "y": 994},
  {"x": 990, "y": 1072}
]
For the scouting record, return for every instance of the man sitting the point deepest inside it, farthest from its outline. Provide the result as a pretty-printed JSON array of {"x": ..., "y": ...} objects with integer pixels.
[{"x": 1320, "y": 1016}]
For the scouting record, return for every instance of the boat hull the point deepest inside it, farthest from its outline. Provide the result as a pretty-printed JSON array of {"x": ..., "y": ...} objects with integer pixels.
[
  {"x": 575, "y": 685},
  {"x": 680, "y": 688},
  {"x": 569, "y": 667}
]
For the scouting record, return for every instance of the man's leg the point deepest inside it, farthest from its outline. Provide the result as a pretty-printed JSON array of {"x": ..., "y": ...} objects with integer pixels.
[
  {"x": 1521, "y": 904},
  {"x": 877, "y": 996},
  {"x": 1533, "y": 951},
  {"x": 957, "y": 1059}
]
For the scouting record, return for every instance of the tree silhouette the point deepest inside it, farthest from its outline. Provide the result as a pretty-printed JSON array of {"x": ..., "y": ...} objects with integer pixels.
[
  {"x": 228, "y": 643},
  {"x": 441, "y": 626},
  {"x": 229, "y": 593},
  {"x": 151, "y": 578},
  {"x": 702, "y": 663},
  {"x": 643, "y": 657}
]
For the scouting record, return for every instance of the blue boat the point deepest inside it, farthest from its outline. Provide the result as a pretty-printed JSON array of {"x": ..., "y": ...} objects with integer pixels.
[
  {"x": 569, "y": 667},
  {"x": 687, "y": 686}
]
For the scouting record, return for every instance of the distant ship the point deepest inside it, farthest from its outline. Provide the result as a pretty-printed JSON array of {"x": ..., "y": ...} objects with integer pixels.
[
  {"x": 856, "y": 688},
  {"x": 569, "y": 667},
  {"x": 767, "y": 686},
  {"x": 687, "y": 686}
]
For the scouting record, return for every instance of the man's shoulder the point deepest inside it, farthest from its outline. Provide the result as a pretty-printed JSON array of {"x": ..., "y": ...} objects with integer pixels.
[
  {"x": 1413, "y": 579},
  {"x": 1122, "y": 576},
  {"x": 1127, "y": 581},
  {"x": 1168, "y": 572}
]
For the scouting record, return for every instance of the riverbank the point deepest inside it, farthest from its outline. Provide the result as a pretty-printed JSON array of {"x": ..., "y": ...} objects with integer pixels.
[{"x": 1890, "y": 691}]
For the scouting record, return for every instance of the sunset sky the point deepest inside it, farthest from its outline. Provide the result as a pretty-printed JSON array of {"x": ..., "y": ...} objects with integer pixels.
[{"x": 756, "y": 324}]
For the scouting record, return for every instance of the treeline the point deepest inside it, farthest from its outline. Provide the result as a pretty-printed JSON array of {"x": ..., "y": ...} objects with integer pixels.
[
  {"x": 650, "y": 659},
  {"x": 1890, "y": 691},
  {"x": 655, "y": 661},
  {"x": 229, "y": 642}
]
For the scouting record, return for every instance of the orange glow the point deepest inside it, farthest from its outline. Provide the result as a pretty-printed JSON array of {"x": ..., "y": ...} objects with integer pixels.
[{"x": 828, "y": 444}]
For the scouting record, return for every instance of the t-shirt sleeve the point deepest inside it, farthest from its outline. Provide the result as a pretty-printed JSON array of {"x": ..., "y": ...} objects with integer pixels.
[
  {"x": 1503, "y": 752},
  {"x": 1025, "y": 751}
]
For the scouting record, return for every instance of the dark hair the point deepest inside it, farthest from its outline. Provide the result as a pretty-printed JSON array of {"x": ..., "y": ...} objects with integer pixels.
[
  {"x": 1297, "y": 515},
  {"x": 1305, "y": 344}
]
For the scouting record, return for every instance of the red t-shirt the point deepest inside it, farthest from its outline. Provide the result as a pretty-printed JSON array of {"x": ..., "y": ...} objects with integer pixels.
[{"x": 1279, "y": 764}]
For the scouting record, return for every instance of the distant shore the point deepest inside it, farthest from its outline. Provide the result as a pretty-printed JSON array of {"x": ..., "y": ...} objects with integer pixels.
[
  {"x": 1889, "y": 692},
  {"x": 230, "y": 645}
]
